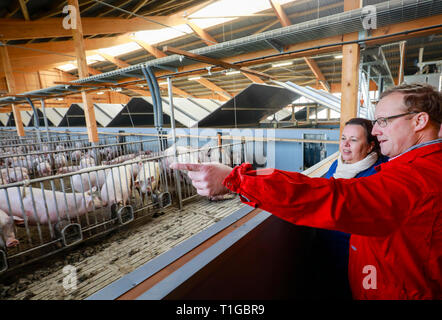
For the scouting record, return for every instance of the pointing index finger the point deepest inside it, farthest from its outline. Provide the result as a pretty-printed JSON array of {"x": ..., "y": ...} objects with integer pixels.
[{"x": 186, "y": 166}]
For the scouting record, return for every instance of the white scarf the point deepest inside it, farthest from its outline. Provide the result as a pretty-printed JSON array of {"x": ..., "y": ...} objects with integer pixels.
[{"x": 350, "y": 170}]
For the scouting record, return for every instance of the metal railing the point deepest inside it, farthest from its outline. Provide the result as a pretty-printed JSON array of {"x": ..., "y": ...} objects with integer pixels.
[{"x": 57, "y": 212}]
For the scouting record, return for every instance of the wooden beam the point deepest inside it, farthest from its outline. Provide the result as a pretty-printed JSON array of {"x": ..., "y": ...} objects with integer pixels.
[
  {"x": 203, "y": 34},
  {"x": 402, "y": 63},
  {"x": 280, "y": 13},
  {"x": 93, "y": 71},
  {"x": 177, "y": 91},
  {"x": 137, "y": 7},
  {"x": 118, "y": 62},
  {"x": 15, "y": 29},
  {"x": 24, "y": 9},
  {"x": 216, "y": 62},
  {"x": 149, "y": 48},
  {"x": 49, "y": 61},
  {"x": 210, "y": 85},
  {"x": 317, "y": 72},
  {"x": 10, "y": 81},
  {"x": 63, "y": 48},
  {"x": 83, "y": 72},
  {"x": 253, "y": 78},
  {"x": 349, "y": 73}
]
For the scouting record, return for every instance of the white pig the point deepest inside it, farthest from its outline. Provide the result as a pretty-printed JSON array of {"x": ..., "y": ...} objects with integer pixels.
[
  {"x": 76, "y": 155},
  {"x": 60, "y": 160},
  {"x": 76, "y": 204},
  {"x": 87, "y": 161},
  {"x": 97, "y": 178},
  {"x": 43, "y": 169},
  {"x": 67, "y": 169},
  {"x": 118, "y": 185},
  {"x": 10, "y": 175},
  {"x": 148, "y": 177},
  {"x": 7, "y": 229}
]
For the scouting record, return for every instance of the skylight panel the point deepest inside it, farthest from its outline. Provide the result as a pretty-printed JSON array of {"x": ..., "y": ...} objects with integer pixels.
[
  {"x": 67, "y": 67},
  {"x": 228, "y": 10},
  {"x": 121, "y": 49},
  {"x": 94, "y": 58},
  {"x": 160, "y": 35}
]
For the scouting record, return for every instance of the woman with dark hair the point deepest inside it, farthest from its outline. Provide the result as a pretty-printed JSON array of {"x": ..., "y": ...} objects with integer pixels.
[
  {"x": 359, "y": 151},
  {"x": 359, "y": 154}
]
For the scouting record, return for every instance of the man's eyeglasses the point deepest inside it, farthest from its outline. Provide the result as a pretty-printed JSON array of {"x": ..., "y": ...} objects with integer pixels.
[{"x": 383, "y": 121}]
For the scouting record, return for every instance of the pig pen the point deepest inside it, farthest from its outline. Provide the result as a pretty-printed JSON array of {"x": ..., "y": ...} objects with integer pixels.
[
  {"x": 147, "y": 202},
  {"x": 101, "y": 262}
]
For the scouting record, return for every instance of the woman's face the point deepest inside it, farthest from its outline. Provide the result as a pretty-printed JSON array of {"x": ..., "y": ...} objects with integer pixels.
[{"x": 354, "y": 146}]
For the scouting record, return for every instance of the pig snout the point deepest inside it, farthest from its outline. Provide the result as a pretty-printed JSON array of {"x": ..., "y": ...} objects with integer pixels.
[{"x": 7, "y": 229}]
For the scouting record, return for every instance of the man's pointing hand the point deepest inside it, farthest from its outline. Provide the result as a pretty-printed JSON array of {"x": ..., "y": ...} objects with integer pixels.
[{"x": 207, "y": 178}]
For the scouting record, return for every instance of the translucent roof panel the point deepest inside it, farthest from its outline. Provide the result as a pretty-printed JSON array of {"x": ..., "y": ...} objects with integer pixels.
[
  {"x": 190, "y": 111},
  {"x": 160, "y": 35},
  {"x": 4, "y": 118},
  {"x": 222, "y": 11},
  {"x": 55, "y": 115},
  {"x": 26, "y": 117},
  {"x": 120, "y": 49}
]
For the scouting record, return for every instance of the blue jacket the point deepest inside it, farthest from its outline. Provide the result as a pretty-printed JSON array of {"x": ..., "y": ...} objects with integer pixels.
[
  {"x": 332, "y": 250},
  {"x": 365, "y": 173}
]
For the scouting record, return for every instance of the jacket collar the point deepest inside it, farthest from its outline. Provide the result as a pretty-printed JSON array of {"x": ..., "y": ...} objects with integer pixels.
[{"x": 413, "y": 153}]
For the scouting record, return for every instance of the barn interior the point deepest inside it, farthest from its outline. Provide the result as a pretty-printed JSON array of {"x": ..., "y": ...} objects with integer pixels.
[{"x": 98, "y": 98}]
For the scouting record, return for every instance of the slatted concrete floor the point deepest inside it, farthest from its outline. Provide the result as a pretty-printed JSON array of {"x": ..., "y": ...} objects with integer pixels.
[{"x": 102, "y": 263}]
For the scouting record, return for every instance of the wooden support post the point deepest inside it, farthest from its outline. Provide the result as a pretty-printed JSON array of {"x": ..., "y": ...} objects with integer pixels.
[
  {"x": 83, "y": 72},
  {"x": 10, "y": 81},
  {"x": 402, "y": 64},
  {"x": 349, "y": 82},
  {"x": 350, "y": 73}
]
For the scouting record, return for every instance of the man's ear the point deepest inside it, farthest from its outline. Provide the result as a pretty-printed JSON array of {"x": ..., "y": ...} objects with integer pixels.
[{"x": 421, "y": 120}]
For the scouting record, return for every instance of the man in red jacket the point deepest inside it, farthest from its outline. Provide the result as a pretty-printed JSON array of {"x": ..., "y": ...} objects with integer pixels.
[{"x": 394, "y": 216}]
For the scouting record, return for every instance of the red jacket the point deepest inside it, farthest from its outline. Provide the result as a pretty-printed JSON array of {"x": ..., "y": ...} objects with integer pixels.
[{"x": 394, "y": 216}]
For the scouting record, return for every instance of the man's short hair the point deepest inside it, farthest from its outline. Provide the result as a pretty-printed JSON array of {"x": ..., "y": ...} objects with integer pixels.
[{"x": 420, "y": 98}]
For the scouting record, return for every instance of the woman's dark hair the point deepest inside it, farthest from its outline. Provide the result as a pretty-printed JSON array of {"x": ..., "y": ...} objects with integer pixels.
[{"x": 368, "y": 126}]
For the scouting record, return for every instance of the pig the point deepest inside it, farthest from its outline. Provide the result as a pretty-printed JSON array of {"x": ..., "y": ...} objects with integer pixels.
[
  {"x": 7, "y": 229},
  {"x": 97, "y": 178},
  {"x": 60, "y": 160},
  {"x": 76, "y": 155},
  {"x": 43, "y": 169},
  {"x": 148, "y": 176},
  {"x": 121, "y": 178},
  {"x": 78, "y": 203},
  {"x": 68, "y": 169},
  {"x": 86, "y": 162},
  {"x": 120, "y": 159},
  {"x": 10, "y": 175},
  {"x": 21, "y": 161},
  {"x": 59, "y": 148},
  {"x": 108, "y": 153}
]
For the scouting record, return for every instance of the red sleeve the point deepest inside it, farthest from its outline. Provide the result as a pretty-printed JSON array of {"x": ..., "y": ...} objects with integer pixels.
[{"x": 371, "y": 206}]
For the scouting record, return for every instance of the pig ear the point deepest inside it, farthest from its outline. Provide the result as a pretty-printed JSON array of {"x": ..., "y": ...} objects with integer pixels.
[
  {"x": 18, "y": 220},
  {"x": 93, "y": 190}
]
